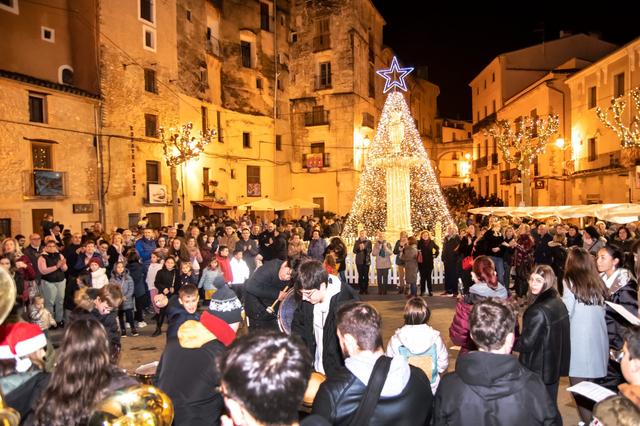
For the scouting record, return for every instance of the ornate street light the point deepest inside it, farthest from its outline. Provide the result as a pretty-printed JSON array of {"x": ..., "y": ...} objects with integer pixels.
[{"x": 180, "y": 146}]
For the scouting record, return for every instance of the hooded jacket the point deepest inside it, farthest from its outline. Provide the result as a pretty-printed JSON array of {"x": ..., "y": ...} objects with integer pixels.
[
  {"x": 405, "y": 399},
  {"x": 419, "y": 339},
  {"x": 459, "y": 329},
  {"x": 493, "y": 389},
  {"x": 125, "y": 282},
  {"x": 99, "y": 278}
]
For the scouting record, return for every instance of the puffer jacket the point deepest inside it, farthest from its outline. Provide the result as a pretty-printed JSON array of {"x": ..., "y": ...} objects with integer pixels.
[
  {"x": 125, "y": 282},
  {"x": 459, "y": 329}
]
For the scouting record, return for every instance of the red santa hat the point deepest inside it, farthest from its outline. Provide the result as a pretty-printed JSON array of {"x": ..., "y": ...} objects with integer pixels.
[{"x": 19, "y": 340}]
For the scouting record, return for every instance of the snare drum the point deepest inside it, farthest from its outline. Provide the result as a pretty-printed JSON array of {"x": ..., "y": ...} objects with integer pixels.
[
  {"x": 285, "y": 312},
  {"x": 146, "y": 373}
]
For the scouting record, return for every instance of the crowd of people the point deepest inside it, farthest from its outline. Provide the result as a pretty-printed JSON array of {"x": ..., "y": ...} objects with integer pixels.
[{"x": 537, "y": 289}]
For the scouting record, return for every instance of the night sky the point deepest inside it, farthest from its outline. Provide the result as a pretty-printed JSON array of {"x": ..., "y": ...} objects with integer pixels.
[{"x": 455, "y": 47}]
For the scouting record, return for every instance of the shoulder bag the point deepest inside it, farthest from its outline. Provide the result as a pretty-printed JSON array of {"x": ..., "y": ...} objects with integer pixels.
[{"x": 372, "y": 393}]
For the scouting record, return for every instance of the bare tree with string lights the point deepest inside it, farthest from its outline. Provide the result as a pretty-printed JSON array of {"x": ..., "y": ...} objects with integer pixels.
[
  {"x": 629, "y": 135},
  {"x": 522, "y": 142}
]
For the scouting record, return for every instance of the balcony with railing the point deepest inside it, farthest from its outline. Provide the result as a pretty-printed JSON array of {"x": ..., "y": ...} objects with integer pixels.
[
  {"x": 316, "y": 118},
  {"x": 368, "y": 120},
  {"x": 212, "y": 46},
  {"x": 316, "y": 160},
  {"x": 509, "y": 176},
  {"x": 322, "y": 42},
  {"x": 44, "y": 184},
  {"x": 480, "y": 163},
  {"x": 485, "y": 122},
  {"x": 606, "y": 161}
]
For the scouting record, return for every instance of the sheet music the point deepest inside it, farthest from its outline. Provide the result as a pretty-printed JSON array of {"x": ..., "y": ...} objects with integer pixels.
[
  {"x": 624, "y": 312},
  {"x": 592, "y": 391}
]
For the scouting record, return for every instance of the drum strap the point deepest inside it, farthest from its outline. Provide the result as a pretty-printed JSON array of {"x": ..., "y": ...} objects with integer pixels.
[{"x": 372, "y": 393}]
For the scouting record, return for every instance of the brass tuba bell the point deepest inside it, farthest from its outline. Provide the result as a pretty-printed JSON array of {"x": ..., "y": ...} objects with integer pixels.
[
  {"x": 8, "y": 416},
  {"x": 140, "y": 405}
]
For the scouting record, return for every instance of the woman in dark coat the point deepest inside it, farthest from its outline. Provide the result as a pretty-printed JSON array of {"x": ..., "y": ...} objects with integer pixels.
[
  {"x": 545, "y": 345},
  {"x": 450, "y": 260},
  {"x": 429, "y": 250},
  {"x": 523, "y": 258},
  {"x": 465, "y": 249}
]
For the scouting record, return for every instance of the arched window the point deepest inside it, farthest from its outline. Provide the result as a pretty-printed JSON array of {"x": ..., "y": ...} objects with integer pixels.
[{"x": 65, "y": 75}]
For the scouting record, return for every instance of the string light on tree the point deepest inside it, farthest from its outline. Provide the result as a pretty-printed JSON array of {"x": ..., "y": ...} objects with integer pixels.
[
  {"x": 629, "y": 135},
  {"x": 521, "y": 144},
  {"x": 180, "y": 146},
  {"x": 398, "y": 189}
]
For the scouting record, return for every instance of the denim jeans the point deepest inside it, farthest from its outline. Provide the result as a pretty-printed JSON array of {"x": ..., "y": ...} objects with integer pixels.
[
  {"x": 53, "y": 294},
  {"x": 499, "y": 263},
  {"x": 383, "y": 279}
]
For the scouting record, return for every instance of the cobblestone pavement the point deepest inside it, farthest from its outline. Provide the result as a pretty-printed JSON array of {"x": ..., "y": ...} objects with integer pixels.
[{"x": 144, "y": 348}]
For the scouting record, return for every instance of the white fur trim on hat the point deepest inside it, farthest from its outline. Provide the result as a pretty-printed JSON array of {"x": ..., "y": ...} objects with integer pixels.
[
  {"x": 5, "y": 352},
  {"x": 30, "y": 345}
]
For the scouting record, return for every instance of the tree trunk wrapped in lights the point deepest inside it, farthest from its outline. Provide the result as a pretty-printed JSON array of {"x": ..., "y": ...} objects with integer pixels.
[
  {"x": 522, "y": 143},
  {"x": 179, "y": 147},
  {"x": 629, "y": 135}
]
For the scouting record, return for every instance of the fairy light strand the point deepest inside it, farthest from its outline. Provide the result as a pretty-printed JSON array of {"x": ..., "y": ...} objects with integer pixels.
[
  {"x": 523, "y": 143},
  {"x": 629, "y": 136}
]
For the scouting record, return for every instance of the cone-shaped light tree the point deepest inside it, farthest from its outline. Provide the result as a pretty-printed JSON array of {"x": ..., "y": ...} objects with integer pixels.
[{"x": 398, "y": 189}]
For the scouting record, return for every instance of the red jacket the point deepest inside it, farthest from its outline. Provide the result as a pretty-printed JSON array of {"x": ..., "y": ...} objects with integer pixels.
[
  {"x": 225, "y": 267},
  {"x": 459, "y": 331}
]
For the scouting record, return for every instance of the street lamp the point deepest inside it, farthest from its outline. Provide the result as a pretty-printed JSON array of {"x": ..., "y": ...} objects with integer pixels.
[{"x": 180, "y": 146}]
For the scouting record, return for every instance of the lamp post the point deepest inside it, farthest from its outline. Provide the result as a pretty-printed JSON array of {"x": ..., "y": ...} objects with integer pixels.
[{"x": 180, "y": 146}]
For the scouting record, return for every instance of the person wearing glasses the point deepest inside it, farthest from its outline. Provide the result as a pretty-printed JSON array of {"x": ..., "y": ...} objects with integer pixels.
[{"x": 315, "y": 318}]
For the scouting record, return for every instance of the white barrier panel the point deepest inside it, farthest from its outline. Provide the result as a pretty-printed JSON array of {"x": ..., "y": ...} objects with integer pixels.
[{"x": 437, "y": 277}]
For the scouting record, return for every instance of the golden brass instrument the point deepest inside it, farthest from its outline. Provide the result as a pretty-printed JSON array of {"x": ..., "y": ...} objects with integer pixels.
[
  {"x": 140, "y": 405},
  {"x": 8, "y": 416},
  {"x": 7, "y": 294}
]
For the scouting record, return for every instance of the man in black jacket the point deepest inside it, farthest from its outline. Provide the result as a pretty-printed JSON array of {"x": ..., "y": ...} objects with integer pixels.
[
  {"x": 495, "y": 387},
  {"x": 315, "y": 318},
  {"x": 542, "y": 251},
  {"x": 262, "y": 288},
  {"x": 362, "y": 249},
  {"x": 405, "y": 399}
]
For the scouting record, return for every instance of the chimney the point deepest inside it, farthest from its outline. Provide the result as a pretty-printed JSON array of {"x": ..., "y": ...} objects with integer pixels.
[{"x": 565, "y": 33}]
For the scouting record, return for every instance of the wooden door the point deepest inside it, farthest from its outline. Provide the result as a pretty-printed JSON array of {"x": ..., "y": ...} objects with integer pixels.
[{"x": 37, "y": 215}]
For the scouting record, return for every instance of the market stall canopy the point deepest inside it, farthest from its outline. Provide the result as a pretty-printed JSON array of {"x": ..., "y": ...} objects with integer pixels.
[
  {"x": 264, "y": 204},
  {"x": 213, "y": 205},
  {"x": 299, "y": 203},
  {"x": 617, "y": 213}
]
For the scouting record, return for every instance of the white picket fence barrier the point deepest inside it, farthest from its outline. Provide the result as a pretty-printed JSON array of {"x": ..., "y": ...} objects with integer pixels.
[{"x": 351, "y": 272}]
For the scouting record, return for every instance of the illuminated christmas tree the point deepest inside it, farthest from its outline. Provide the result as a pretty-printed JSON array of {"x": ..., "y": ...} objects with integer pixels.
[{"x": 398, "y": 189}]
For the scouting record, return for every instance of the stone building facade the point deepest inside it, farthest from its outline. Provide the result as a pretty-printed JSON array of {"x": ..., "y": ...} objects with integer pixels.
[
  {"x": 48, "y": 119},
  {"x": 289, "y": 86},
  {"x": 528, "y": 82}
]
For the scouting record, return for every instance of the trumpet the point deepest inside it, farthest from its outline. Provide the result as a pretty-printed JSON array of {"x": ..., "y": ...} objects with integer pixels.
[
  {"x": 272, "y": 309},
  {"x": 140, "y": 405}
]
